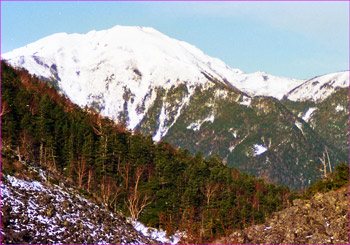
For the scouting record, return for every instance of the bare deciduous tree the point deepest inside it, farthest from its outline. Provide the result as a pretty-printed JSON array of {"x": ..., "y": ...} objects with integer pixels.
[
  {"x": 329, "y": 161},
  {"x": 81, "y": 169},
  {"x": 5, "y": 108},
  {"x": 209, "y": 190},
  {"x": 323, "y": 161},
  {"x": 90, "y": 175},
  {"x": 124, "y": 171},
  {"x": 136, "y": 201},
  {"x": 110, "y": 190}
]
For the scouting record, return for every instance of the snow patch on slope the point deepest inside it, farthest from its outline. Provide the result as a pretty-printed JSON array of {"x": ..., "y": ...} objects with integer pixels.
[
  {"x": 339, "y": 108},
  {"x": 246, "y": 101},
  {"x": 307, "y": 115},
  {"x": 221, "y": 94},
  {"x": 24, "y": 185},
  {"x": 231, "y": 148},
  {"x": 259, "y": 149},
  {"x": 158, "y": 235},
  {"x": 196, "y": 126},
  {"x": 299, "y": 125},
  {"x": 164, "y": 115},
  {"x": 162, "y": 128}
]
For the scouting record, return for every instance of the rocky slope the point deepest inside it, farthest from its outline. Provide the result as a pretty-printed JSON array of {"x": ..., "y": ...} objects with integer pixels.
[
  {"x": 324, "y": 219},
  {"x": 40, "y": 212}
]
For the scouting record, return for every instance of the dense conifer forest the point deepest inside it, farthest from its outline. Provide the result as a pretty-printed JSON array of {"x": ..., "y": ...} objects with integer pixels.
[{"x": 156, "y": 183}]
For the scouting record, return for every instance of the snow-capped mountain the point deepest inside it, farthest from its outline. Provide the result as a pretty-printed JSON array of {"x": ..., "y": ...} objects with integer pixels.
[
  {"x": 320, "y": 87},
  {"x": 173, "y": 91},
  {"x": 118, "y": 71}
]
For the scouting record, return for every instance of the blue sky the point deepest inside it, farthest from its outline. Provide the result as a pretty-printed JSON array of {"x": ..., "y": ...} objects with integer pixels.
[{"x": 290, "y": 39}]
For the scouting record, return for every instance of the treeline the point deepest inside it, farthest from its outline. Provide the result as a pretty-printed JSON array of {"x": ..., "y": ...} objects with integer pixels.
[
  {"x": 156, "y": 183},
  {"x": 333, "y": 181}
]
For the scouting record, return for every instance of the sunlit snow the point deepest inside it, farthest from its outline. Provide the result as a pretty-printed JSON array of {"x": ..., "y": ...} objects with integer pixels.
[
  {"x": 299, "y": 125},
  {"x": 339, "y": 108},
  {"x": 158, "y": 235},
  {"x": 221, "y": 94},
  {"x": 306, "y": 117},
  {"x": 246, "y": 101},
  {"x": 231, "y": 148},
  {"x": 21, "y": 184},
  {"x": 259, "y": 149},
  {"x": 319, "y": 88},
  {"x": 196, "y": 126},
  {"x": 161, "y": 127}
]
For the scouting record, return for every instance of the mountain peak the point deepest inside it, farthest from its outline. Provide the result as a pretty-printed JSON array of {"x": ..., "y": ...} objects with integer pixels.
[{"x": 106, "y": 68}]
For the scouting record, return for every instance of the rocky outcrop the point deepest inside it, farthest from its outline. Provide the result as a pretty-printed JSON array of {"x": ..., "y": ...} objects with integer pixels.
[
  {"x": 39, "y": 212},
  {"x": 324, "y": 219}
]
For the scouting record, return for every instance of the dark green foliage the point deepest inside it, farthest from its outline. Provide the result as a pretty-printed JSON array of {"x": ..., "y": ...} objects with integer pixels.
[
  {"x": 202, "y": 197},
  {"x": 334, "y": 181}
]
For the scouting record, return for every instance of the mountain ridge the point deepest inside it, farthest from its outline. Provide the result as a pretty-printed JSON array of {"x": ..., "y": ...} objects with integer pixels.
[{"x": 320, "y": 87}]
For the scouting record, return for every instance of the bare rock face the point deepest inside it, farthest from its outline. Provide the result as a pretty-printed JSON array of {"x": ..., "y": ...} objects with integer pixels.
[{"x": 324, "y": 219}]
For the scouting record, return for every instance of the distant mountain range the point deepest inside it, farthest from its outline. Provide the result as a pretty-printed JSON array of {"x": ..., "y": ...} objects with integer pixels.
[{"x": 277, "y": 128}]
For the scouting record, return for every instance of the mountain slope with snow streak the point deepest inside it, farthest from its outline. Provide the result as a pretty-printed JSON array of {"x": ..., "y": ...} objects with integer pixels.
[{"x": 119, "y": 70}]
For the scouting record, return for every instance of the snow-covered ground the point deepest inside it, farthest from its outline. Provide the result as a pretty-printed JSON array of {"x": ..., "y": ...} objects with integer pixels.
[{"x": 156, "y": 234}]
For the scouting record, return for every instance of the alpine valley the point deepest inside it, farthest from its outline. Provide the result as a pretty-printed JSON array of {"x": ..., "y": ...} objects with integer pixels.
[{"x": 286, "y": 131}]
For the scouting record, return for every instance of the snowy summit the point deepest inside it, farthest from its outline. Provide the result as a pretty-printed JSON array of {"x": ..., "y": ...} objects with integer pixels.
[{"x": 119, "y": 71}]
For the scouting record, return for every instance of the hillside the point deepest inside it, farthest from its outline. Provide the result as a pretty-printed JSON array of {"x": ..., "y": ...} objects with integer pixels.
[
  {"x": 155, "y": 183},
  {"x": 329, "y": 118},
  {"x": 257, "y": 135},
  {"x": 321, "y": 218},
  {"x": 40, "y": 212}
]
